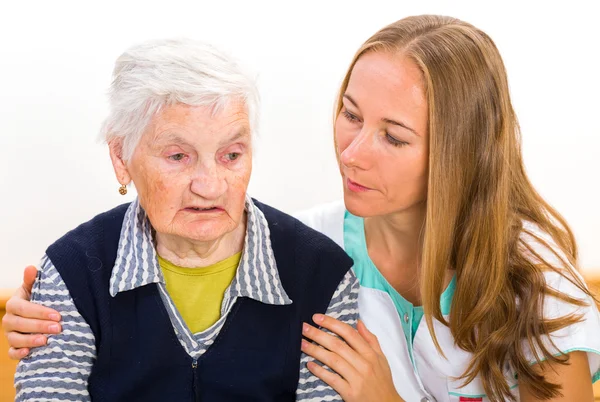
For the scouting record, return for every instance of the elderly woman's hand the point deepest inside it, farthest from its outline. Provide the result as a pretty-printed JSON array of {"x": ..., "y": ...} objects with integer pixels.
[
  {"x": 362, "y": 372},
  {"x": 25, "y": 322}
]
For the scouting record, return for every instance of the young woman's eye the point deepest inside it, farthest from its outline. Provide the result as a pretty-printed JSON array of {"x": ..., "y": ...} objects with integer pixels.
[
  {"x": 177, "y": 157},
  {"x": 394, "y": 141},
  {"x": 349, "y": 116}
]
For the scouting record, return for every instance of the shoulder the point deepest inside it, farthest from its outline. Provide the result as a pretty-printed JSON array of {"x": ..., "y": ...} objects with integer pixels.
[
  {"x": 540, "y": 248},
  {"x": 538, "y": 244},
  {"x": 92, "y": 245},
  {"x": 560, "y": 275},
  {"x": 326, "y": 218},
  {"x": 567, "y": 297},
  {"x": 305, "y": 237},
  {"x": 311, "y": 249},
  {"x": 93, "y": 230}
]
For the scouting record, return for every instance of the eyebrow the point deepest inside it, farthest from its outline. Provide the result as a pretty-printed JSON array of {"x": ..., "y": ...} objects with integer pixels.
[
  {"x": 174, "y": 137},
  {"x": 243, "y": 132},
  {"x": 171, "y": 137},
  {"x": 384, "y": 119}
]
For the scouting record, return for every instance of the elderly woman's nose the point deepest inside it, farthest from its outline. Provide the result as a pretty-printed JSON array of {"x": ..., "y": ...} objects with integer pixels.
[
  {"x": 208, "y": 183},
  {"x": 360, "y": 150}
]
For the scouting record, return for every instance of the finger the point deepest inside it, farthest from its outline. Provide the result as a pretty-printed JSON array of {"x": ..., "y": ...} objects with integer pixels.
[
  {"x": 18, "y": 341},
  {"x": 17, "y": 354},
  {"x": 345, "y": 331},
  {"x": 335, "y": 345},
  {"x": 336, "y": 382},
  {"x": 29, "y": 276},
  {"x": 13, "y": 323},
  {"x": 369, "y": 336},
  {"x": 20, "y": 307},
  {"x": 331, "y": 359}
]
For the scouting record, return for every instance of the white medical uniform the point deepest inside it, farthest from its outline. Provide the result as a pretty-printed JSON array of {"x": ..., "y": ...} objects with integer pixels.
[{"x": 419, "y": 372}]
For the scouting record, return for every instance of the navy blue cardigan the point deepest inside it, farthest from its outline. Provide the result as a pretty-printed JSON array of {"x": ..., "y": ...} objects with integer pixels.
[{"x": 256, "y": 356}]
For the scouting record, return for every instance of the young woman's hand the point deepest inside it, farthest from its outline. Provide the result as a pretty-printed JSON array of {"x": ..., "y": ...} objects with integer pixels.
[
  {"x": 24, "y": 322},
  {"x": 361, "y": 371}
]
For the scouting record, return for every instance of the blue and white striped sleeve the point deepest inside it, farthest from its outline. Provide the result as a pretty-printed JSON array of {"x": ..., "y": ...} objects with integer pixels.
[
  {"x": 344, "y": 307},
  {"x": 58, "y": 371}
]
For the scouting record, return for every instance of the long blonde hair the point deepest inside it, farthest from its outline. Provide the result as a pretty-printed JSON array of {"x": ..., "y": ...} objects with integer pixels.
[{"x": 479, "y": 196}]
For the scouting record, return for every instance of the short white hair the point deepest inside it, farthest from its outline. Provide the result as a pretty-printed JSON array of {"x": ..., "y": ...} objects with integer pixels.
[{"x": 157, "y": 73}]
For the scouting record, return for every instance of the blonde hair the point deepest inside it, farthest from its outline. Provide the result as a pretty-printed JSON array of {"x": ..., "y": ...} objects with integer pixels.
[{"x": 479, "y": 196}]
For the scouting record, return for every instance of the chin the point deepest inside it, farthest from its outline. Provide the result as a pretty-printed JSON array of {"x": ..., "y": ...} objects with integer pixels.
[
  {"x": 205, "y": 231},
  {"x": 208, "y": 233},
  {"x": 359, "y": 207}
]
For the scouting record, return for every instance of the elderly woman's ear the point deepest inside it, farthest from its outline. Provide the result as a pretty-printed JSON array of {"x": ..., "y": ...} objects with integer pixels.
[{"x": 115, "y": 146}]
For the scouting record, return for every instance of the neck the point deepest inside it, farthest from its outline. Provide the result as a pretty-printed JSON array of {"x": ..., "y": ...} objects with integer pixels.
[
  {"x": 191, "y": 254},
  {"x": 397, "y": 236}
]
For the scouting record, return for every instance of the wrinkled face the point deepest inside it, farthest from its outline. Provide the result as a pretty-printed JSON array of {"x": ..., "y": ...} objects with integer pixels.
[
  {"x": 381, "y": 136},
  {"x": 191, "y": 169}
]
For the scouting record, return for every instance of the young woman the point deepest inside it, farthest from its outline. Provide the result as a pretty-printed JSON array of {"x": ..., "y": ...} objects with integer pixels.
[{"x": 468, "y": 280}]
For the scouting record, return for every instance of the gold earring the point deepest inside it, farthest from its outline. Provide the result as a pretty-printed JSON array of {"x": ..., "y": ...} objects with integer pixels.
[{"x": 123, "y": 189}]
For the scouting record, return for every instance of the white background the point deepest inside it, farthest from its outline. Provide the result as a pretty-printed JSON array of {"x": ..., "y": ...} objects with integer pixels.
[{"x": 56, "y": 59}]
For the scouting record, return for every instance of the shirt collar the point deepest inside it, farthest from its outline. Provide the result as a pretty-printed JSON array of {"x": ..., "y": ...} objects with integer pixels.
[{"x": 257, "y": 276}]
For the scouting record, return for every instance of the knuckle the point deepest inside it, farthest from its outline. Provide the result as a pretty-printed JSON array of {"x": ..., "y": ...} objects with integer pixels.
[
  {"x": 17, "y": 323},
  {"x": 338, "y": 344},
  {"x": 16, "y": 307},
  {"x": 12, "y": 338},
  {"x": 354, "y": 392},
  {"x": 369, "y": 369},
  {"x": 336, "y": 361},
  {"x": 10, "y": 305},
  {"x": 370, "y": 356}
]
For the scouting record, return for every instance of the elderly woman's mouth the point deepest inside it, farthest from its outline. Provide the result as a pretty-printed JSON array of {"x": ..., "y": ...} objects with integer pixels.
[{"x": 203, "y": 209}]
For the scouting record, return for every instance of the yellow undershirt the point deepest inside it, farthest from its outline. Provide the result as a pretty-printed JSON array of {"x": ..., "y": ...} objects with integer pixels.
[{"x": 198, "y": 292}]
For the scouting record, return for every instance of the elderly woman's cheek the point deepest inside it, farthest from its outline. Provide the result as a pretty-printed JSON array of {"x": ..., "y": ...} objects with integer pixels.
[{"x": 160, "y": 195}]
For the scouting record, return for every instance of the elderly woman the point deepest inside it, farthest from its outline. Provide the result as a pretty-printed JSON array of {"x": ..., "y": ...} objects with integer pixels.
[{"x": 194, "y": 291}]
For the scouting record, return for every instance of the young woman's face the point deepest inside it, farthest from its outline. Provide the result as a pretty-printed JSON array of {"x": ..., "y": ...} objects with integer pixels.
[{"x": 381, "y": 136}]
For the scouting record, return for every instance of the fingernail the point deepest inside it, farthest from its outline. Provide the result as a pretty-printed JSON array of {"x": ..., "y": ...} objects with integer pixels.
[
  {"x": 24, "y": 352},
  {"x": 304, "y": 344},
  {"x": 54, "y": 328},
  {"x": 54, "y": 317},
  {"x": 305, "y": 328},
  {"x": 40, "y": 340},
  {"x": 318, "y": 318}
]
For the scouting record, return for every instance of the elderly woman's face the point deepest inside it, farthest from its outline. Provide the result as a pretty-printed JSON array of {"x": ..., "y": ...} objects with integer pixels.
[{"x": 191, "y": 170}]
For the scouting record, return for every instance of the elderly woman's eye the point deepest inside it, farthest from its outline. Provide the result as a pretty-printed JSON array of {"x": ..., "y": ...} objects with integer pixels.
[
  {"x": 177, "y": 157},
  {"x": 232, "y": 156}
]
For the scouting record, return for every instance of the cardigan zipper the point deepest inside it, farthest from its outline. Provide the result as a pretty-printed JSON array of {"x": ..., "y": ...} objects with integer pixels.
[{"x": 195, "y": 378}]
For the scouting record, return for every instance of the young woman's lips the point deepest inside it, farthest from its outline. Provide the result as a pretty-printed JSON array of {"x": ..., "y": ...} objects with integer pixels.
[{"x": 357, "y": 188}]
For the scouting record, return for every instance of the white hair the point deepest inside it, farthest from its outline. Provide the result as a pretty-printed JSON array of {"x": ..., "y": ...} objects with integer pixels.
[{"x": 157, "y": 73}]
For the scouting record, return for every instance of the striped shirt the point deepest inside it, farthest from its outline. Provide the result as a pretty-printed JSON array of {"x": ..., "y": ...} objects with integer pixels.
[{"x": 59, "y": 371}]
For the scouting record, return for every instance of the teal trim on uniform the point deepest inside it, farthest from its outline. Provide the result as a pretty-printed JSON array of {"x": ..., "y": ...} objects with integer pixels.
[
  {"x": 446, "y": 299},
  {"x": 370, "y": 277},
  {"x": 417, "y": 315},
  {"x": 467, "y": 395},
  {"x": 595, "y": 377},
  {"x": 477, "y": 396},
  {"x": 566, "y": 352}
]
